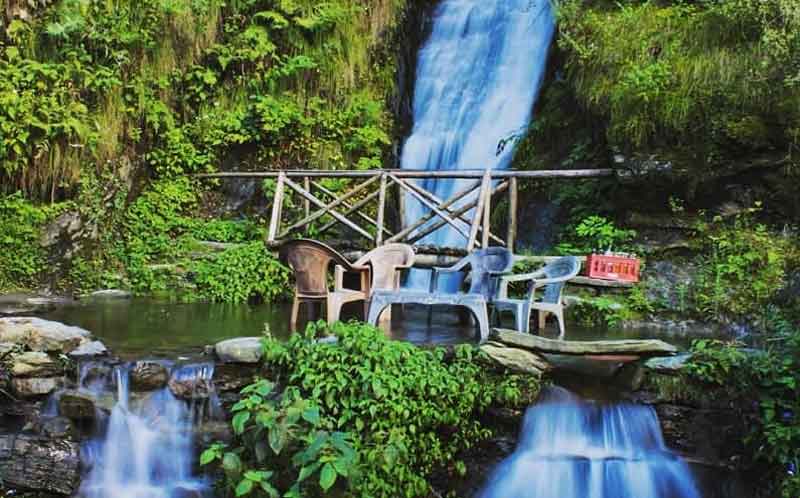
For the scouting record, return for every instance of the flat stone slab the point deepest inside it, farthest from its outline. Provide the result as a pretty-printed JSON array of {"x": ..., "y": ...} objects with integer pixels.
[
  {"x": 89, "y": 350},
  {"x": 670, "y": 366},
  {"x": 516, "y": 360},
  {"x": 42, "y": 335},
  {"x": 34, "y": 364},
  {"x": 240, "y": 350},
  {"x": 110, "y": 294},
  {"x": 644, "y": 347}
]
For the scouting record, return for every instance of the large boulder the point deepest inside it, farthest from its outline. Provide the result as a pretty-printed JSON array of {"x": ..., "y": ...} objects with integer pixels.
[
  {"x": 42, "y": 335},
  {"x": 240, "y": 350},
  {"x": 516, "y": 360},
  {"x": 39, "y": 463},
  {"x": 669, "y": 365},
  {"x": 37, "y": 386},
  {"x": 147, "y": 375},
  {"x": 35, "y": 364},
  {"x": 89, "y": 349},
  {"x": 77, "y": 405}
]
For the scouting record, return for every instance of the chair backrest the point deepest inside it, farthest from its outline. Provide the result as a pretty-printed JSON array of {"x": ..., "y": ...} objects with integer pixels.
[
  {"x": 310, "y": 259},
  {"x": 564, "y": 268},
  {"x": 385, "y": 261},
  {"x": 483, "y": 261}
]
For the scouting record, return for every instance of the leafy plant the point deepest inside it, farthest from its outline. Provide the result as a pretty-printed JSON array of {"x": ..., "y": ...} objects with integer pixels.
[{"x": 408, "y": 411}]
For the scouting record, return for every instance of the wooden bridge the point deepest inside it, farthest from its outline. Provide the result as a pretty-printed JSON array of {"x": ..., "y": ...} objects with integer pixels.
[{"x": 360, "y": 200}]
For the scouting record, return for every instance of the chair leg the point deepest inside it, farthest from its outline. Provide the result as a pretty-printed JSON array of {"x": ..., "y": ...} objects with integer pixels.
[
  {"x": 520, "y": 320},
  {"x": 482, "y": 315},
  {"x": 495, "y": 317},
  {"x": 374, "y": 314},
  {"x": 295, "y": 313},
  {"x": 561, "y": 329},
  {"x": 542, "y": 320},
  {"x": 334, "y": 306}
]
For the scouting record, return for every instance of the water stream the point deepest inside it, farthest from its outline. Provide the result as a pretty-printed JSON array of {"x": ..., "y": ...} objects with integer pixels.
[
  {"x": 145, "y": 447},
  {"x": 477, "y": 79},
  {"x": 571, "y": 448}
]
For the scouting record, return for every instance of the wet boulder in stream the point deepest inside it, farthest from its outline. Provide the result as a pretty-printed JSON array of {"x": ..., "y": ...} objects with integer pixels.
[
  {"x": 42, "y": 335},
  {"x": 148, "y": 375},
  {"x": 240, "y": 350}
]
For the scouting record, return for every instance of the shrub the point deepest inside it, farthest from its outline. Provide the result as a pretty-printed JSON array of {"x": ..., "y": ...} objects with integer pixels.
[
  {"x": 405, "y": 410},
  {"x": 242, "y": 273}
]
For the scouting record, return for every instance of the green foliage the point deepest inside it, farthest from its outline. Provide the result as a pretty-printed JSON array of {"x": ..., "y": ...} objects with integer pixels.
[
  {"x": 702, "y": 83},
  {"x": 404, "y": 411},
  {"x": 284, "y": 449},
  {"x": 242, "y": 273},
  {"x": 596, "y": 234},
  {"x": 771, "y": 379},
  {"x": 22, "y": 260},
  {"x": 742, "y": 267}
]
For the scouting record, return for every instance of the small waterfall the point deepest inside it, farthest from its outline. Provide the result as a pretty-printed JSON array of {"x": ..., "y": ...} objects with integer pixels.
[
  {"x": 145, "y": 449},
  {"x": 572, "y": 448},
  {"x": 477, "y": 80}
]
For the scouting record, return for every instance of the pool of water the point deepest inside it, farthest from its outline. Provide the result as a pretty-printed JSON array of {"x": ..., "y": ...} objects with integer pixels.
[{"x": 147, "y": 327}]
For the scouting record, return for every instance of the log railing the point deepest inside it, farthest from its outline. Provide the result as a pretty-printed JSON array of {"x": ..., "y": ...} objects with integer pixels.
[{"x": 467, "y": 211}]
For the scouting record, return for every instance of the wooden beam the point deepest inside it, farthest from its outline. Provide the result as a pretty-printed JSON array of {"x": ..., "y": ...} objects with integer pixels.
[
  {"x": 349, "y": 207},
  {"x": 277, "y": 203},
  {"x": 306, "y": 203},
  {"x": 412, "y": 173},
  {"x": 381, "y": 210},
  {"x": 473, "y": 233},
  {"x": 458, "y": 212},
  {"x": 427, "y": 203},
  {"x": 328, "y": 208},
  {"x": 487, "y": 215},
  {"x": 325, "y": 208},
  {"x": 511, "y": 237},
  {"x": 428, "y": 217},
  {"x": 355, "y": 207}
]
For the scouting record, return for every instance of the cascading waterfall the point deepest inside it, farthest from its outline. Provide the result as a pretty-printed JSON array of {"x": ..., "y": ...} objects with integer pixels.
[
  {"x": 572, "y": 448},
  {"x": 477, "y": 79},
  {"x": 146, "y": 448}
]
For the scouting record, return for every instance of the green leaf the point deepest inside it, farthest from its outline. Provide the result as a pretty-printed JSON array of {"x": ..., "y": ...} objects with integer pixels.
[
  {"x": 244, "y": 487},
  {"x": 327, "y": 477},
  {"x": 311, "y": 415},
  {"x": 208, "y": 456},
  {"x": 239, "y": 420}
]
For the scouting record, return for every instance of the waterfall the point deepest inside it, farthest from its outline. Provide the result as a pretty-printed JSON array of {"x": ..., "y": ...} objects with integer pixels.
[
  {"x": 477, "y": 79},
  {"x": 572, "y": 448},
  {"x": 146, "y": 450}
]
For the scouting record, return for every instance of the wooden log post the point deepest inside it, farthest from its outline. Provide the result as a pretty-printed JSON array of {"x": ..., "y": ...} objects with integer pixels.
[
  {"x": 277, "y": 204},
  {"x": 306, "y": 203},
  {"x": 479, "y": 210},
  {"x": 381, "y": 210},
  {"x": 511, "y": 237},
  {"x": 487, "y": 217}
]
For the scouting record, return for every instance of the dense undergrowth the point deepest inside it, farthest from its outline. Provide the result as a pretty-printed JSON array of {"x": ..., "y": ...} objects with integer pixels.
[
  {"x": 109, "y": 105},
  {"x": 361, "y": 416}
]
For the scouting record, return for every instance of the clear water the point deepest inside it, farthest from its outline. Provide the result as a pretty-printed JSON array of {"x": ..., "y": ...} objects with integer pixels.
[
  {"x": 145, "y": 449},
  {"x": 571, "y": 448},
  {"x": 478, "y": 76}
]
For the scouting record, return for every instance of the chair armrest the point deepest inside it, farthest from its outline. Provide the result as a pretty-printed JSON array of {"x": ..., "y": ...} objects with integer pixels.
[
  {"x": 338, "y": 276},
  {"x": 521, "y": 277}
]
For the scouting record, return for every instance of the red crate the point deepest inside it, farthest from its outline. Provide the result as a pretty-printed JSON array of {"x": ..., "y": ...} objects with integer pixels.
[{"x": 619, "y": 268}]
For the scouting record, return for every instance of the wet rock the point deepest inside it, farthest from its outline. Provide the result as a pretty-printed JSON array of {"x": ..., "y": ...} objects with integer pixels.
[
  {"x": 233, "y": 377},
  {"x": 38, "y": 463},
  {"x": 668, "y": 365},
  {"x": 55, "y": 427},
  {"x": 190, "y": 388},
  {"x": 33, "y": 387},
  {"x": 89, "y": 350},
  {"x": 240, "y": 350},
  {"x": 213, "y": 431},
  {"x": 630, "y": 376},
  {"x": 6, "y": 348},
  {"x": 42, "y": 335},
  {"x": 516, "y": 360},
  {"x": 148, "y": 375},
  {"x": 110, "y": 294},
  {"x": 77, "y": 405},
  {"x": 35, "y": 364}
]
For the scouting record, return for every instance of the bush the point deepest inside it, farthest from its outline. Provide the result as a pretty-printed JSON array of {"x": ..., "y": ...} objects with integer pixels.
[
  {"x": 771, "y": 381},
  {"x": 742, "y": 268},
  {"x": 241, "y": 273},
  {"x": 405, "y": 411}
]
